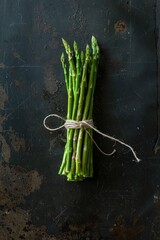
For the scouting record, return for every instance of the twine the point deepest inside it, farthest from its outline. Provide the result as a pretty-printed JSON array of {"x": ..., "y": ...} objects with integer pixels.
[{"x": 73, "y": 124}]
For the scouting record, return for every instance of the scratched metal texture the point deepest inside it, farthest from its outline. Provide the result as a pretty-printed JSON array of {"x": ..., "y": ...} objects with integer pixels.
[{"x": 122, "y": 201}]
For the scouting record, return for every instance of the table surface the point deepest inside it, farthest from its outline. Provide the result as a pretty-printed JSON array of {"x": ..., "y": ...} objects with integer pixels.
[{"x": 122, "y": 201}]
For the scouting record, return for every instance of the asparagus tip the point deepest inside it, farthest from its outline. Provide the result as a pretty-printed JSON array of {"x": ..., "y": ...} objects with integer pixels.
[
  {"x": 75, "y": 46},
  {"x": 82, "y": 53},
  {"x": 95, "y": 47},
  {"x": 67, "y": 48},
  {"x": 66, "y": 45},
  {"x": 87, "y": 52},
  {"x": 62, "y": 57},
  {"x": 82, "y": 57},
  {"x": 63, "y": 40},
  {"x": 94, "y": 40},
  {"x": 87, "y": 49}
]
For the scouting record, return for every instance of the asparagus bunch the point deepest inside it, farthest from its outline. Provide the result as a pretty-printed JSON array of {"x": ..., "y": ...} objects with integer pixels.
[{"x": 80, "y": 73}]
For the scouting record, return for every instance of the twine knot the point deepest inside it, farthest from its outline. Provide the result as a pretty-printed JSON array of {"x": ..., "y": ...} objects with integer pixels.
[
  {"x": 73, "y": 124},
  {"x": 85, "y": 124}
]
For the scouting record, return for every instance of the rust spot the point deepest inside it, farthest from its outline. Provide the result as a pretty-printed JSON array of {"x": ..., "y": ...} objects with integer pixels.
[
  {"x": 5, "y": 149},
  {"x": 3, "y": 97},
  {"x": 15, "y": 224},
  {"x": 16, "y": 184},
  {"x": 122, "y": 232},
  {"x": 2, "y": 118},
  {"x": 120, "y": 26},
  {"x": 17, "y": 83},
  {"x": 77, "y": 18},
  {"x": 18, "y": 143},
  {"x": 2, "y": 66},
  {"x": 81, "y": 227},
  {"x": 50, "y": 78}
]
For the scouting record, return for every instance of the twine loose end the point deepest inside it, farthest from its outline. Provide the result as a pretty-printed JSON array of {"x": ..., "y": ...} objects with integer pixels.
[{"x": 73, "y": 124}]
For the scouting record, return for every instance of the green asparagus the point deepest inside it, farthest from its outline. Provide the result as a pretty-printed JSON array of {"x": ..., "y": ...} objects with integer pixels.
[{"x": 80, "y": 78}]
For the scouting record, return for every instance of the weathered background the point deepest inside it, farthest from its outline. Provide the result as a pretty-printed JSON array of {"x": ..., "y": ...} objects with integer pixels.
[{"x": 122, "y": 201}]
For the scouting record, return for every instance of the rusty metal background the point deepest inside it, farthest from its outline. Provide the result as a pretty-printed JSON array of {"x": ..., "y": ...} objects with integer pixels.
[{"x": 122, "y": 201}]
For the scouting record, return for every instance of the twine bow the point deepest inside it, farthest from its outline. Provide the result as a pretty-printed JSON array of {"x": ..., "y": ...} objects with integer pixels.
[{"x": 73, "y": 124}]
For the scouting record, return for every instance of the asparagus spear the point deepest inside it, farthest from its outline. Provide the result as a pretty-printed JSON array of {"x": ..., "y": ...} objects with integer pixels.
[
  {"x": 64, "y": 66},
  {"x": 75, "y": 105},
  {"x": 71, "y": 84},
  {"x": 83, "y": 148},
  {"x": 68, "y": 149},
  {"x": 88, "y": 111},
  {"x": 80, "y": 109}
]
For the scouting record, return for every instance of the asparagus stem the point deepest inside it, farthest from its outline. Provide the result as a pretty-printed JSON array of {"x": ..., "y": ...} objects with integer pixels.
[
  {"x": 87, "y": 155},
  {"x": 62, "y": 167},
  {"x": 71, "y": 84},
  {"x": 70, "y": 60},
  {"x": 70, "y": 96},
  {"x": 78, "y": 78},
  {"x": 92, "y": 80},
  {"x": 64, "y": 66},
  {"x": 77, "y": 91},
  {"x": 83, "y": 84},
  {"x": 66, "y": 158},
  {"x": 80, "y": 110},
  {"x": 82, "y": 58}
]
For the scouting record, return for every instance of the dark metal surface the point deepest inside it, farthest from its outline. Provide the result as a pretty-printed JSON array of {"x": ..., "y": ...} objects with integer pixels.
[{"x": 122, "y": 201}]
